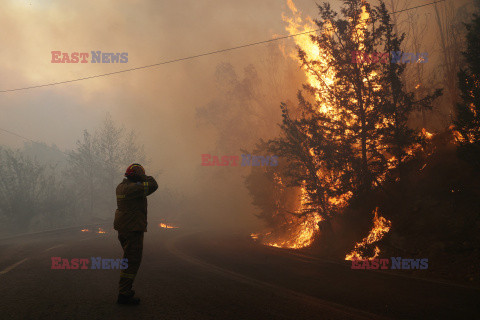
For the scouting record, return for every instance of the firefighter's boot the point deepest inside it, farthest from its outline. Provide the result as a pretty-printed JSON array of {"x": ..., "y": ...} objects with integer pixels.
[{"x": 128, "y": 299}]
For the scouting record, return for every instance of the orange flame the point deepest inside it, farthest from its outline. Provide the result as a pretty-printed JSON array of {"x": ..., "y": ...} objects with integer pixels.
[
  {"x": 167, "y": 226},
  {"x": 85, "y": 230},
  {"x": 100, "y": 230},
  {"x": 320, "y": 75},
  {"x": 254, "y": 236},
  {"x": 315, "y": 78},
  {"x": 427, "y": 134},
  {"x": 301, "y": 231},
  {"x": 381, "y": 226}
]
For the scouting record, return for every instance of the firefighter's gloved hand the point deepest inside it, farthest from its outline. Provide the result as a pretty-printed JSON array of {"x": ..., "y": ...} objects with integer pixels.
[{"x": 142, "y": 178}]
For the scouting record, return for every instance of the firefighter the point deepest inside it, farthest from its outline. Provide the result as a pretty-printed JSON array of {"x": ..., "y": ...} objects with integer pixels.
[{"x": 131, "y": 223}]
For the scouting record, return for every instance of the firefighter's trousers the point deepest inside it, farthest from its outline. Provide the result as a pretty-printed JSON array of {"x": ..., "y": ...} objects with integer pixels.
[{"x": 132, "y": 244}]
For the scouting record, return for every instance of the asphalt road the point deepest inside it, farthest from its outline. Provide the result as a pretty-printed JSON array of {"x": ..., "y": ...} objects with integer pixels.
[{"x": 187, "y": 274}]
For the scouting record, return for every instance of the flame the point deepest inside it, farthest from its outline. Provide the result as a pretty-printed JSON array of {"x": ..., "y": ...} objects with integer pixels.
[
  {"x": 318, "y": 68},
  {"x": 316, "y": 77},
  {"x": 381, "y": 226},
  {"x": 100, "y": 230},
  {"x": 458, "y": 137},
  {"x": 297, "y": 233},
  {"x": 301, "y": 234},
  {"x": 300, "y": 231},
  {"x": 85, "y": 230},
  {"x": 302, "y": 237},
  {"x": 167, "y": 226},
  {"x": 254, "y": 236},
  {"x": 427, "y": 134}
]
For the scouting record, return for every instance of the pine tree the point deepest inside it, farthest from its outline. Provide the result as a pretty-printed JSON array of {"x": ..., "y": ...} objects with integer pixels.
[
  {"x": 468, "y": 111},
  {"x": 351, "y": 130}
]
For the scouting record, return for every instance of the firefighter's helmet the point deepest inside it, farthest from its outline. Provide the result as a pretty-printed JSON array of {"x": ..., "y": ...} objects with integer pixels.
[{"x": 134, "y": 171}]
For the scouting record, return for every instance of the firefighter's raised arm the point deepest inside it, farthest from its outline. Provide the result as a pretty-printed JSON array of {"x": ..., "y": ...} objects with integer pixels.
[
  {"x": 149, "y": 185},
  {"x": 137, "y": 184}
]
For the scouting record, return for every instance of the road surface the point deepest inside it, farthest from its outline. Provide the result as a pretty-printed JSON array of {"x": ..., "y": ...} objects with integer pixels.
[{"x": 188, "y": 274}]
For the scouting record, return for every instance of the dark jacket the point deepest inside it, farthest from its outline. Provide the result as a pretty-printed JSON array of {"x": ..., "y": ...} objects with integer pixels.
[{"x": 131, "y": 213}]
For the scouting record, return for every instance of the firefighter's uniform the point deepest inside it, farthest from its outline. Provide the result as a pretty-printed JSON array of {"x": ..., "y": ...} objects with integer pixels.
[{"x": 131, "y": 222}]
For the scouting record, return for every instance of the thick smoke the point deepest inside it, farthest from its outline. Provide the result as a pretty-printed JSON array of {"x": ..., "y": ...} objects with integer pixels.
[
  {"x": 161, "y": 103},
  {"x": 179, "y": 110}
]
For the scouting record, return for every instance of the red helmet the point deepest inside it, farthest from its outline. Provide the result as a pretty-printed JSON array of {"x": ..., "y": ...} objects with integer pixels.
[{"x": 134, "y": 170}]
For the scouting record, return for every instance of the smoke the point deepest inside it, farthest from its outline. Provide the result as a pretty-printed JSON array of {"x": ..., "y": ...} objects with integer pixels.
[{"x": 159, "y": 103}]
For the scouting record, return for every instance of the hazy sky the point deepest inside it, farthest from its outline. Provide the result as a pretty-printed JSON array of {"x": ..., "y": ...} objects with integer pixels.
[{"x": 160, "y": 102}]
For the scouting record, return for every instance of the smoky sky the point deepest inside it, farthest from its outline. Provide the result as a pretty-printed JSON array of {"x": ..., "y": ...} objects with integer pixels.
[{"x": 159, "y": 103}]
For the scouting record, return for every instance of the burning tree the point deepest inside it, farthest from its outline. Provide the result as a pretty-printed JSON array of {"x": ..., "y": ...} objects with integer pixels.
[
  {"x": 352, "y": 129},
  {"x": 468, "y": 111},
  {"x": 279, "y": 203},
  {"x": 349, "y": 131}
]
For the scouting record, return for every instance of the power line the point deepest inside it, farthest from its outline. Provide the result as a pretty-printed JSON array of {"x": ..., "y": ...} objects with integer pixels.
[
  {"x": 33, "y": 141},
  {"x": 189, "y": 57},
  {"x": 16, "y": 134},
  {"x": 27, "y": 139},
  {"x": 37, "y": 142},
  {"x": 423, "y": 5},
  {"x": 161, "y": 63}
]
